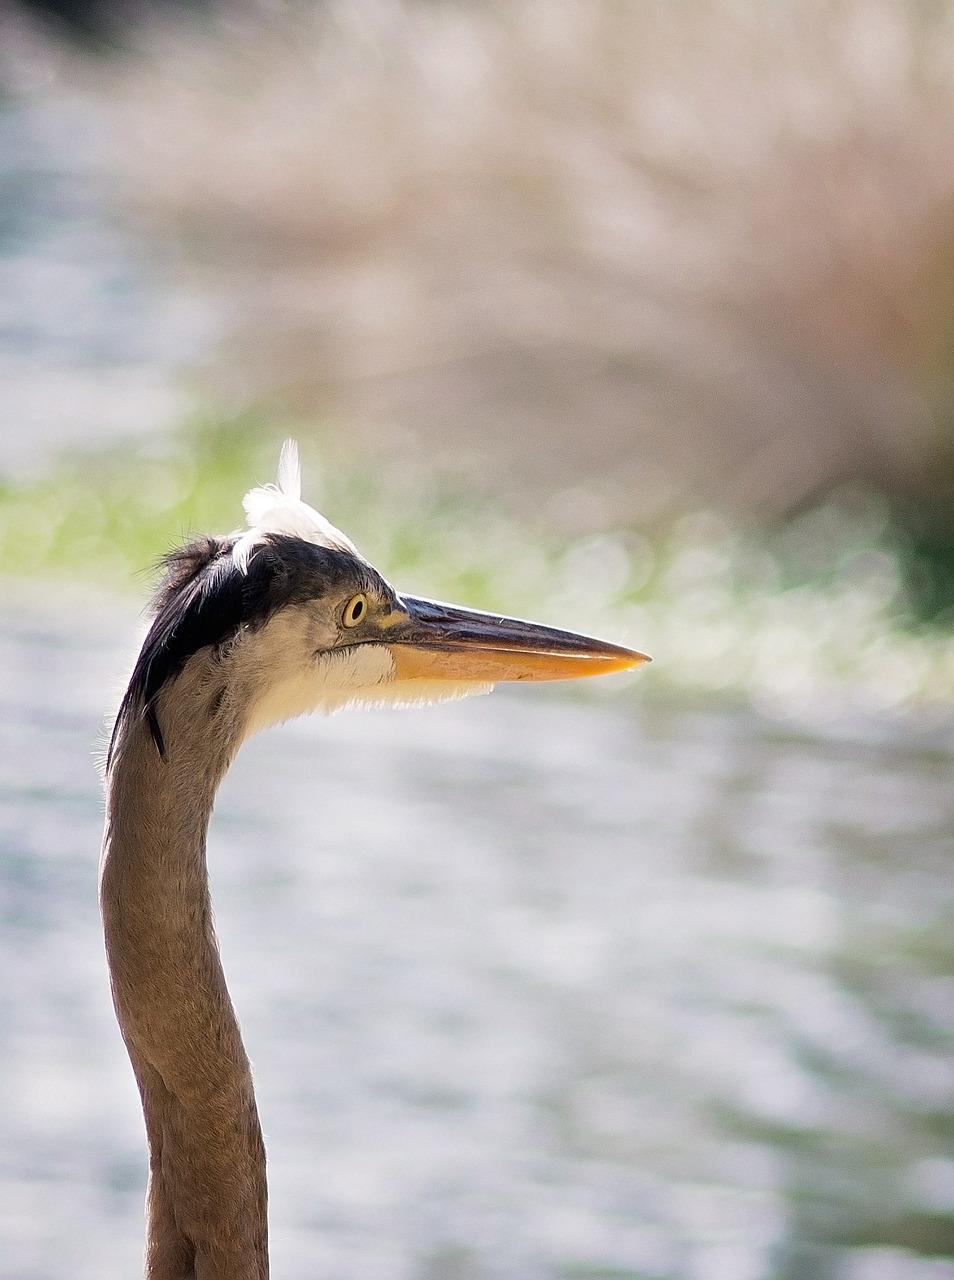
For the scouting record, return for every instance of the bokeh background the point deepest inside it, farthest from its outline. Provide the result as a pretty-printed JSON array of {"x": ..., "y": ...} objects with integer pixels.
[{"x": 634, "y": 317}]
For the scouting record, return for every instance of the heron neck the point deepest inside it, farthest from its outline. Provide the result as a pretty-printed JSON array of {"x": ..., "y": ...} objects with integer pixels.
[{"x": 207, "y": 1196}]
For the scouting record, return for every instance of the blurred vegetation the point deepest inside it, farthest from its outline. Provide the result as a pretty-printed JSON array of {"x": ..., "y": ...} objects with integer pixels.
[
  {"x": 700, "y": 254},
  {"x": 682, "y": 273},
  {"x": 837, "y": 605},
  {"x": 104, "y": 26}
]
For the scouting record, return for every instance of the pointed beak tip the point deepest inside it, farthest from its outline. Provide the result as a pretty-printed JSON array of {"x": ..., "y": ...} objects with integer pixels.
[
  {"x": 447, "y": 642},
  {"x": 622, "y": 660}
]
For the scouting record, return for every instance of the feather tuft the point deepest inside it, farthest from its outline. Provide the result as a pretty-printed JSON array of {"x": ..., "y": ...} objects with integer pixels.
[
  {"x": 289, "y": 470},
  {"x": 279, "y": 509}
]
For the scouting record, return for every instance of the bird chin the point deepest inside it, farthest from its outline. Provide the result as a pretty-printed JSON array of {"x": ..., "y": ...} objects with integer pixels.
[
  {"x": 415, "y": 693},
  {"x": 357, "y": 676}
]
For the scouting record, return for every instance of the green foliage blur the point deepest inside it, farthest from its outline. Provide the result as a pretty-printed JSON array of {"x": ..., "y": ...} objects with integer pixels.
[{"x": 844, "y": 603}]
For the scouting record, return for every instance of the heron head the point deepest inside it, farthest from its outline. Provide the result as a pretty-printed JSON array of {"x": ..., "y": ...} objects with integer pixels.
[{"x": 288, "y": 617}]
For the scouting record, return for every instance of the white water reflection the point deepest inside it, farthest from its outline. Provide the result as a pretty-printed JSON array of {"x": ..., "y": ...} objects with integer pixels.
[
  {"x": 534, "y": 987},
  {"x": 91, "y": 348}
]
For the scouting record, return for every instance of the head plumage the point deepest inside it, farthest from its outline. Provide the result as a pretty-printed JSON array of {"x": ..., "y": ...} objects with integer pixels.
[{"x": 278, "y": 509}]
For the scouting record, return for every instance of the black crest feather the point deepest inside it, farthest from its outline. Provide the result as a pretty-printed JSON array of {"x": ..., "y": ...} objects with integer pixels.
[{"x": 204, "y": 599}]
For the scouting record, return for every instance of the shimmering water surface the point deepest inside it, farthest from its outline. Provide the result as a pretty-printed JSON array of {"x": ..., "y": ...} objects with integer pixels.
[
  {"x": 534, "y": 987},
  {"x": 94, "y": 334}
]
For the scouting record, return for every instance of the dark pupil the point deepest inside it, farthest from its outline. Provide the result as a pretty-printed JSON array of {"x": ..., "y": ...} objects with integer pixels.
[{"x": 356, "y": 610}]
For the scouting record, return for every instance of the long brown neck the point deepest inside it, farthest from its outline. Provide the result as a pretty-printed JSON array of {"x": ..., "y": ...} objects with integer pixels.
[{"x": 206, "y": 1205}]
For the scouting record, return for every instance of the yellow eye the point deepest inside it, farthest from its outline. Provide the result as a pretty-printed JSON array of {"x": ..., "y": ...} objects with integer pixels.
[{"x": 355, "y": 610}]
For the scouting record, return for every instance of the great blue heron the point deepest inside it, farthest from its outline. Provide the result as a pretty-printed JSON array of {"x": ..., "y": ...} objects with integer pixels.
[{"x": 250, "y": 629}]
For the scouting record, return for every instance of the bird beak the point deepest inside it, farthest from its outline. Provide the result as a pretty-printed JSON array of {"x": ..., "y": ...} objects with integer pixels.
[{"x": 441, "y": 642}]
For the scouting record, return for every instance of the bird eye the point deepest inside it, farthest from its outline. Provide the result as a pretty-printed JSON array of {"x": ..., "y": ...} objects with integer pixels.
[{"x": 355, "y": 610}]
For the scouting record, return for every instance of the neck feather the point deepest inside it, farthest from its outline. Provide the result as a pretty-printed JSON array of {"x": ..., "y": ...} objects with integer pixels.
[{"x": 207, "y": 1197}]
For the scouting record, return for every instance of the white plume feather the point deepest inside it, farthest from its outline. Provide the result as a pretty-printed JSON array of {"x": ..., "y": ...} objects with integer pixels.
[
  {"x": 278, "y": 508},
  {"x": 289, "y": 470}
]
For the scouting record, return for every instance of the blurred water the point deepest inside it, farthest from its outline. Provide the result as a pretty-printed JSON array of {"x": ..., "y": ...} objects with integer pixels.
[
  {"x": 534, "y": 987},
  {"x": 94, "y": 334}
]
